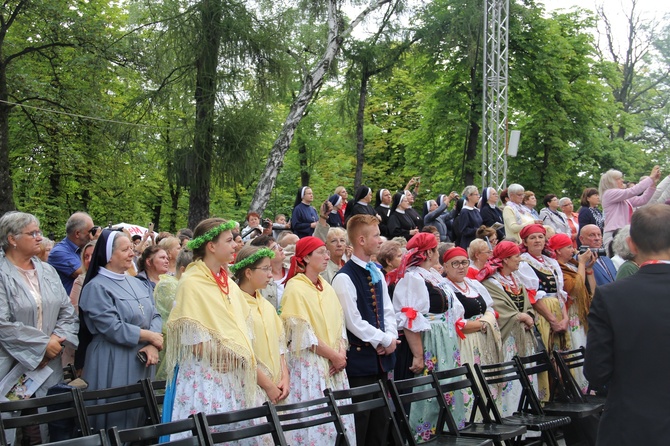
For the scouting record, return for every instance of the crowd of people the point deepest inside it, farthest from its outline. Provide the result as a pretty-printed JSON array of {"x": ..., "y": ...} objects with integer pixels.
[{"x": 335, "y": 297}]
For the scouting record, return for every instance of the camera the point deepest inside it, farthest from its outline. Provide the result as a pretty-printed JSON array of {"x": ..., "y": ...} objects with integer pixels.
[
  {"x": 267, "y": 223},
  {"x": 600, "y": 252}
]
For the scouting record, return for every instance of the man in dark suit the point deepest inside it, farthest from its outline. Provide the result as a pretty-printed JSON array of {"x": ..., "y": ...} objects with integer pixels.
[
  {"x": 604, "y": 270},
  {"x": 629, "y": 339}
]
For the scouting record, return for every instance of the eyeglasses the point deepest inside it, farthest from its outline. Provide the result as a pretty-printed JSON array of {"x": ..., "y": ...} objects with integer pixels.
[
  {"x": 461, "y": 264},
  {"x": 34, "y": 234},
  {"x": 276, "y": 247},
  {"x": 266, "y": 269}
]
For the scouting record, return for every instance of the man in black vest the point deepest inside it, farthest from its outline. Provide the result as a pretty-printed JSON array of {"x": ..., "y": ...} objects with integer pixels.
[{"x": 371, "y": 323}]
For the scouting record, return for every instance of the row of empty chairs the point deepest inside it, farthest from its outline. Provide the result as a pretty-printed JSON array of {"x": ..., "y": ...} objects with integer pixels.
[{"x": 567, "y": 407}]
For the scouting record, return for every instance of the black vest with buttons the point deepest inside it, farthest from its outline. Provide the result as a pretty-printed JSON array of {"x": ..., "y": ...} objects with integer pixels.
[{"x": 362, "y": 358}]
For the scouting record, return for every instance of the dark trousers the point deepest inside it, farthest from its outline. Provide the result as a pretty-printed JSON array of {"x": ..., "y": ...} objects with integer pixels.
[{"x": 371, "y": 427}]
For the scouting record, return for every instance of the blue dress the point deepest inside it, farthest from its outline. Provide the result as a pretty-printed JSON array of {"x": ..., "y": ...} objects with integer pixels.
[{"x": 115, "y": 308}]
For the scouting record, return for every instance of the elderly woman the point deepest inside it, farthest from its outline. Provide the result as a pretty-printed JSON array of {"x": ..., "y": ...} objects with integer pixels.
[
  {"x": 426, "y": 311},
  {"x": 253, "y": 272},
  {"x": 619, "y": 202},
  {"x": 316, "y": 334},
  {"x": 336, "y": 242},
  {"x": 516, "y": 317},
  {"x": 479, "y": 252},
  {"x": 579, "y": 284},
  {"x": 621, "y": 249},
  {"x": 566, "y": 206},
  {"x": 543, "y": 279},
  {"x": 551, "y": 216},
  {"x": 476, "y": 325},
  {"x": 211, "y": 363},
  {"x": 119, "y": 312},
  {"x": 46, "y": 245},
  {"x": 515, "y": 215},
  {"x": 400, "y": 224},
  {"x": 469, "y": 219},
  {"x": 491, "y": 214},
  {"x": 153, "y": 263},
  {"x": 36, "y": 318}
]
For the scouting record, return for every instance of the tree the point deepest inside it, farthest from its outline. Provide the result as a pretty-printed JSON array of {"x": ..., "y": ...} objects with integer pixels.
[{"x": 311, "y": 83}]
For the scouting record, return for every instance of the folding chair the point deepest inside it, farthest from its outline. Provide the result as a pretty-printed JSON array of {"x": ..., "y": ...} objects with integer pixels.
[
  {"x": 104, "y": 402},
  {"x": 99, "y": 439},
  {"x": 370, "y": 397},
  {"x": 150, "y": 435},
  {"x": 316, "y": 412},
  {"x": 462, "y": 378},
  {"x": 527, "y": 415},
  {"x": 424, "y": 388},
  {"x": 245, "y": 423},
  {"x": 568, "y": 360},
  {"x": 60, "y": 407}
]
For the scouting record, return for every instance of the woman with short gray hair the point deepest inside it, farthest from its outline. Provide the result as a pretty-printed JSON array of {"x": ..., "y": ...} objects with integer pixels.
[
  {"x": 621, "y": 249},
  {"x": 36, "y": 317},
  {"x": 515, "y": 215}
]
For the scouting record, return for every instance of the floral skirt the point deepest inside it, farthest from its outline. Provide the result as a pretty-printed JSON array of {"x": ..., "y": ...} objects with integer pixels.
[
  {"x": 578, "y": 339},
  {"x": 441, "y": 352}
]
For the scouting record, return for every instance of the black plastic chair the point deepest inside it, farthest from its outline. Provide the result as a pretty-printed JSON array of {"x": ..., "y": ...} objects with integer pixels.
[
  {"x": 150, "y": 435},
  {"x": 568, "y": 360},
  {"x": 121, "y": 399},
  {"x": 584, "y": 417},
  {"x": 307, "y": 414},
  {"x": 462, "y": 378},
  {"x": 529, "y": 412},
  {"x": 99, "y": 439},
  {"x": 157, "y": 390},
  {"x": 60, "y": 407},
  {"x": 263, "y": 421},
  {"x": 560, "y": 402},
  {"x": 422, "y": 388},
  {"x": 370, "y": 397}
]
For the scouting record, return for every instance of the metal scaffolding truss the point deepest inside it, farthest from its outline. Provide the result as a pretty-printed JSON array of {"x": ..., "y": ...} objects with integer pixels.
[{"x": 494, "y": 120}]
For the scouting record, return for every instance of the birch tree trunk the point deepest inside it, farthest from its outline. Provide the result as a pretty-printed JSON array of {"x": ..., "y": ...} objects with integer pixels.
[{"x": 311, "y": 83}]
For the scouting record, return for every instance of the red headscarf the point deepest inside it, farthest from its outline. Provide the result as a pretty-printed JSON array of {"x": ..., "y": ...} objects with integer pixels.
[
  {"x": 303, "y": 248},
  {"x": 454, "y": 252},
  {"x": 532, "y": 229},
  {"x": 559, "y": 241},
  {"x": 416, "y": 252},
  {"x": 502, "y": 251}
]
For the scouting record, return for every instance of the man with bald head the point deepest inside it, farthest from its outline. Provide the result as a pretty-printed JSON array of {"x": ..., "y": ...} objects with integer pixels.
[
  {"x": 629, "y": 337},
  {"x": 65, "y": 257},
  {"x": 604, "y": 270}
]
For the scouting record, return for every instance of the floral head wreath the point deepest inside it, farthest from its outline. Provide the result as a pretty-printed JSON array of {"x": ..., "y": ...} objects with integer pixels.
[
  {"x": 255, "y": 257},
  {"x": 211, "y": 235}
]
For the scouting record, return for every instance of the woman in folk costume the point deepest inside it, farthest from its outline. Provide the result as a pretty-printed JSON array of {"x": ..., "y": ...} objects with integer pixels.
[
  {"x": 579, "y": 283},
  {"x": 253, "y": 272},
  {"x": 516, "y": 317},
  {"x": 476, "y": 325},
  {"x": 426, "y": 311},
  {"x": 210, "y": 358},
  {"x": 543, "y": 279},
  {"x": 316, "y": 334}
]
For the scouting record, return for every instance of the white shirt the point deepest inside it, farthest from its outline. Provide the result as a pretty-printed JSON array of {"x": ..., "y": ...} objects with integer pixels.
[{"x": 346, "y": 292}]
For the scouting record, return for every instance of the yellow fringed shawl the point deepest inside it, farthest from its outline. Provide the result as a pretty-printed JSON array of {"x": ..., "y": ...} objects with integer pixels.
[
  {"x": 202, "y": 311},
  {"x": 317, "y": 310},
  {"x": 269, "y": 341}
]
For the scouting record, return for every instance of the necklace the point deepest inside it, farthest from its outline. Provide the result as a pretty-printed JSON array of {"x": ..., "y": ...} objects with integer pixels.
[
  {"x": 509, "y": 282},
  {"x": 318, "y": 284},
  {"x": 132, "y": 293},
  {"x": 465, "y": 290},
  {"x": 222, "y": 281}
]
